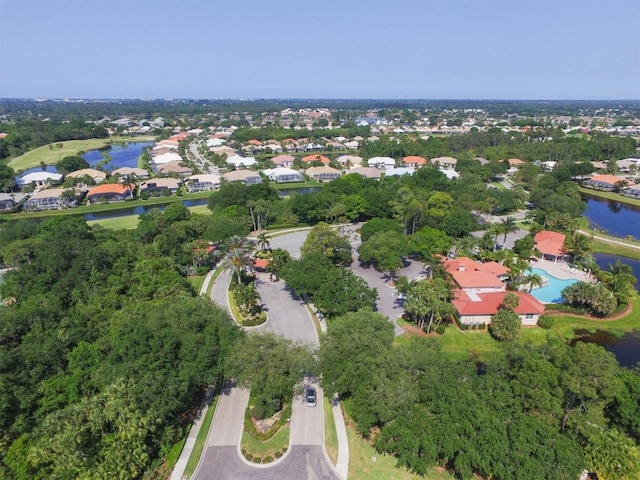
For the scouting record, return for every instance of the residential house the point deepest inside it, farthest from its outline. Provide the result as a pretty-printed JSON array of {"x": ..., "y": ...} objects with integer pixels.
[
  {"x": 283, "y": 175},
  {"x": 414, "y": 161},
  {"x": 632, "y": 192},
  {"x": 515, "y": 162},
  {"x": 166, "y": 158},
  {"x": 394, "y": 172},
  {"x": 323, "y": 174},
  {"x": 110, "y": 192},
  {"x": 483, "y": 161},
  {"x": 349, "y": 160},
  {"x": 285, "y": 161},
  {"x": 445, "y": 163},
  {"x": 96, "y": 175},
  {"x": 9, "y": 201},
  {"x": 48, "y": 199},
  {"x": 366, "y": 172},
  {"x": 478, "y": 308},
  {"x": 606, "y": 183},
  {"x": 39, "y": 179},
  {"x": 551, "y": 245},
  {"x": 159, "y": 185},
  {"x": 248, "y": 177},
  {"x": 241, "y": 162},
  {"x": 316, "y": 158},
  {"x": 204, "y": 182},
  {"x": 383, "y": 163},
  {"x": 174, "y": 168},
  {"x": 352, "y": 145},
  {"x": 129, "y": 173}
]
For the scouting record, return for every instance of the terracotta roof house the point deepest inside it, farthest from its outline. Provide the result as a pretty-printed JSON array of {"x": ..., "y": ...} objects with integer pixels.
[
  {"x": 96, "y": 175},
  {"x": 205, "y": 182},
  {"x": 174, "y": 167},
  {"x": 550, "y": 244},
  {"x": 254, "y": 142},
  {"x": 414, "y": 161},
  {"x": 247, "y": 177},
  {"x": 110, "y": 192},
  {"x": 316, "y": 158},
  {"x": 445, "y": 162},
  {"x": 349, "y": 160},
  {"x": 283, "y": 161},
  {"x": 260, "y": 264},
  {"x": 605, "y": 183},
  {"x": 366, "y": 172},
  {"x": 283, "y": 175},
  {"x": 48, "y": 199},
  {"x": 159, "y": 185},
  {"x": 382, "y": 162},
  {"x": 515, "y": 162},
  {"x": 478, "y": 308},
  {"x": 323, "y": 174},
  {"x": 129, "y": 172}
]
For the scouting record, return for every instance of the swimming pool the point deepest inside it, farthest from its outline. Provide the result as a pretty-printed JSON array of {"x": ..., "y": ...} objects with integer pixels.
[{"x": 551, "y": 292}]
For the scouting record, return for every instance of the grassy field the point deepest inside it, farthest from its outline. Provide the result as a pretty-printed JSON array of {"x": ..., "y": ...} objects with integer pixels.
[
  {"x": 53, "y": 155},
  {"x": 613, "y": 249},
  {"x": 362, "y": 465},
  {"x": 610, "y": 196},
  {"x": 330, "y": 434},
  {"x": 117, "y": 223},
  {"x": 196, "y": 281}
]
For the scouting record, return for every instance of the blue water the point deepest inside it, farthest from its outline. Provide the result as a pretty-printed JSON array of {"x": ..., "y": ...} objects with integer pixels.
[
  {"x": 126, "y": 211},
  {"x": 613, "y": 217},
  {"x": 551, "y": 293},
  {"x": 604, "y": 260},
  {"x": 121, "y": 156}
]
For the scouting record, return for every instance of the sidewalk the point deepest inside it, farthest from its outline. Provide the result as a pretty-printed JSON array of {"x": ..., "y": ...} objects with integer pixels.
[
  {"x": 342, "y": 465},
  {"x": 181, "y": 464}
]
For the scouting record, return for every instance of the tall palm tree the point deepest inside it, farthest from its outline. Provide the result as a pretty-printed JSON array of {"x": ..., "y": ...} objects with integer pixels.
[
  {"x": 507, "y": 226},
  {"x": 263, "y": 240},
  {"x": 534, "y": 280},
  {"x": 237, "y": 261},
  {"x": 577, "y": 246}
]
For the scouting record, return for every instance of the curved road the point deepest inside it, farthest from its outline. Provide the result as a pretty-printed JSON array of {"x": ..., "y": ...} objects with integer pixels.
[{"x": 305, "y": 459}]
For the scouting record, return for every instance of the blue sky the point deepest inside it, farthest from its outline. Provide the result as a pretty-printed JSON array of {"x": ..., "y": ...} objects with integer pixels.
[{"x": 454, "y": 49}]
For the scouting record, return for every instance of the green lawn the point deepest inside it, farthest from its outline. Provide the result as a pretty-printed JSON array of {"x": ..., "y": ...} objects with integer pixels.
[
  {"x": 330, "y": 434},
  {"x": 118, "y": 223},
  {"x": 53, "y": 155},
  {"x": 196, "y": 281},
  {"x": 257, "y": 448},
  {"x": 201, "y": 439},
  {"x": 362, "y": 465},
  {"x": 610, "y": 196}
]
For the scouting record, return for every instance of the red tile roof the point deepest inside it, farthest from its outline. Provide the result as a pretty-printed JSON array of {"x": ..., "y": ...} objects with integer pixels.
[
  {"x": 414, "y": 160},
  {"x": 109, "y": 188},
  {"x": 313, "y": 158},
  {"x": 489, "y": 303},
  {"x": 550, "y": 243},
  {"x": 261, "y": 263},
  {"x": 476, "y": 279}
]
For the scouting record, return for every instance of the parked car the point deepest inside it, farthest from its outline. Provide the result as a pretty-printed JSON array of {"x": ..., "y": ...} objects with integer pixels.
[{"x": 310, "y": 395}]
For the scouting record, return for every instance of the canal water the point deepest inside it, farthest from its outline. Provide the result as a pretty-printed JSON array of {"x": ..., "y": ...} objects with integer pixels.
[{"x": 126, "y": 211}]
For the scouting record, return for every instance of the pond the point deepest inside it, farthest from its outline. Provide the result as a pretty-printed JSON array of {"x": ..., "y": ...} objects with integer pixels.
[
  {"x": 626, "y": 348},
  {"x": 615, "y": 218},
  {"x": 604, "y": 260},
  {"x": 285, "y": 192},
  {"x": 121, "y": 156},
  {"x": 140, "y": 209}
]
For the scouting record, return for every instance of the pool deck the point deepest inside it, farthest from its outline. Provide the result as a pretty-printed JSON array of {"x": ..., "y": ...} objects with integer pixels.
[{"x": 562, "y": 270}]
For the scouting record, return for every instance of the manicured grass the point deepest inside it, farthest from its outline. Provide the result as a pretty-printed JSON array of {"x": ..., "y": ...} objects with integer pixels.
[
  {"x": 614, "y": 249},
  {"x": 196, "y": 281},
  {"x": 362, "y": 467},
  {"x": 269, "y": 447},
  {"x": 118, "y": 223},
  {"x": 287, "y": 186},
  {"x": 201, "y": 439},
  {"x": 610, "y": 196},
  {"x": 330, "y": 434},
  {"x": 51, "y": 156}
]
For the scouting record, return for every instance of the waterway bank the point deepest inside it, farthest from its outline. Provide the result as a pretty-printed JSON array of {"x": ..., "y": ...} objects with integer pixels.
[{"x": 615, "y": 197}]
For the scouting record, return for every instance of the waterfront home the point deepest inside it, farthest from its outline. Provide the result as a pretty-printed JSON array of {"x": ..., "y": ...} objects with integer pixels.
[
  {"x": 49, "y": 199},
  {"x": 283, "y": 175},
  {"x": 96, "y": 176},
  {"x": 39, "y": 179},
  {"x": 9, "y": 201},
  {"x": 166, "y": 158},
  {"x": 632, "y": 192},
  {"x": 176, "y": 168},
  {"x": 110, "y": 192},
  {"x": 129, "y": 173},
  {"x": 551, "y": 245},
  {"x": 204, "y": 182},
  {"x": 160, "y": 185},
  {"x": 323, "y": 174},
  {"x": 605, "y": 183},
  {"x": 248, "y": 177}
]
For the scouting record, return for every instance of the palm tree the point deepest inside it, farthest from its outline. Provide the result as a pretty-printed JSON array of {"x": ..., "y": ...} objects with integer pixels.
[
  {"x": 237, "y": 261},
  {"x": 577, "y": 246},
  {"x": 263, "y": 241},
  {"x": 534, "y": 280},
  {"x": 507, "y": 226},
  {"x": 237, "y": 242}
]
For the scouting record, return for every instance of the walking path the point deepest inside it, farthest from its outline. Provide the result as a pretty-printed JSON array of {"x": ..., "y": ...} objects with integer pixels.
[{"x": 608, "y": 240}]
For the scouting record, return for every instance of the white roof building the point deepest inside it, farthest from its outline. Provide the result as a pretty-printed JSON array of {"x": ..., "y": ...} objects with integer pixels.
[
  {"x": 239, "y": 161},
  {"x": 39, "y": 178},
  {"x": 283, "y": 175},
  {"x": 391, "y": 172},
  {"x": 382, "y": 162},
  {"x": 166, "y": 158}
]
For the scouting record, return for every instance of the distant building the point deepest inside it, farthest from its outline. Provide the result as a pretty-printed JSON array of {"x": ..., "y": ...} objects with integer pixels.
[
  {"x": 9, "y": 201},
  {"x": 202, "y": 182},
  {"x": 48, "y": 199},
  {"x": 248, "y": 177},
  {"x": 110, "y": 192},
  {"x": 323, "y": 174},
  {"x": 283, "y": 175},
  {"x": 95, "y": 175},
  {"x": 39, "y": 179},
  {"x": 159, "y": 185}
]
